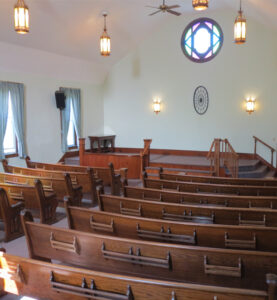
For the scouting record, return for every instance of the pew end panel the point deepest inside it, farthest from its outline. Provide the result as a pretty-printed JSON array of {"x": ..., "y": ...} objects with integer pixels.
[{"x": 10, "y": 215}]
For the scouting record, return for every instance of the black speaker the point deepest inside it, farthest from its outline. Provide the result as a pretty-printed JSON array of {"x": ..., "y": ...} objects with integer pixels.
[{"x": 60, "y": 99}]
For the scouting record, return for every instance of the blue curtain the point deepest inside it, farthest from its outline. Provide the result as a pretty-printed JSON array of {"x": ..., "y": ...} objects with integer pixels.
[
  {"x": 17, "y": 102},
  {"x": 65, "y": 121},
  {"x": 4, "y": 108},
  {"x": 73, "y": 96},
  {"x": 76, "y": 105}
]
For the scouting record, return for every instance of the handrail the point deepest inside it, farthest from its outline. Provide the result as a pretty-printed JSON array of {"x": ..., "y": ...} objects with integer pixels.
[
  {"x": 223, "y": 149},
  {"x": 256, "y": 139},
  {"x": 262, "y": 142}
]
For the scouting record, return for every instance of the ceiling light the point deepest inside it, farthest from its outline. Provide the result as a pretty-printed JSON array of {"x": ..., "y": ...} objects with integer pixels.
[
  {"x": 105, "y": 40},
  {"x": 200, "y": 4},
  {"x": 21, "y": 17},
  {"x": 240, "y": 28}
]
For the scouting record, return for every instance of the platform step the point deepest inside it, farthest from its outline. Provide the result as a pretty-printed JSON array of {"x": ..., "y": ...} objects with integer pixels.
[
  {"x": 260, "y": 172},
  {"x": 154, "y": 171}
]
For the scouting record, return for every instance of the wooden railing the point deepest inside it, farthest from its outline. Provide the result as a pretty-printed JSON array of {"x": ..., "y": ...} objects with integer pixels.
[
  {"x": 145, "y": 154},
  {"x": 272, "y": 150},
  {"x": 222, "y": 151},
  {"x": 214, "y": 157}
]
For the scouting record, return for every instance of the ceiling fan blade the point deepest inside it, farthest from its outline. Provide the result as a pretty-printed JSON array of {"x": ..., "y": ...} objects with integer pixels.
[
  {"x": 173, "y": 6},
  {"x": 155, "y": 13},
  {"x": 173, "y": 12},
  {"x": 151, "y": 6}
]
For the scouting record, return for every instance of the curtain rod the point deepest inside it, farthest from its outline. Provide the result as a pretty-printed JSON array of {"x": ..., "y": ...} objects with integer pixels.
[
  {"x": 11, "y": 82},
  {"x": 62, "y": 87}
]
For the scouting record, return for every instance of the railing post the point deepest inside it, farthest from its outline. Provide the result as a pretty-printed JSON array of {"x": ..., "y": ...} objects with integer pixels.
[
  {"x": 255, "y": 146},
  {"x": 82, "y": 142},
  {"x": 272, "y": 157}
]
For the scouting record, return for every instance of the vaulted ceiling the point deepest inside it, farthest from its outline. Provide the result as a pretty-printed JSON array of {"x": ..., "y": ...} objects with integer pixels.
[{"x": 73, "y": 27}]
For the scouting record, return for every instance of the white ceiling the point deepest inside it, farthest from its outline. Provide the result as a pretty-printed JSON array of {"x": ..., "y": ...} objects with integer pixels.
[{"x": 73, "y": 27}]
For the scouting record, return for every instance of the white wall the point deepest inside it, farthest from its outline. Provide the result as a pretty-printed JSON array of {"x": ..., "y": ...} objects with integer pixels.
[
  {"x": 42, "y": 74},
  {"x": 158, "y": 67}
]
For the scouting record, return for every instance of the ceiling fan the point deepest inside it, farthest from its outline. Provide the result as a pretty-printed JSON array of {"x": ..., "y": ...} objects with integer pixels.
[{"x": 165, "y": 8}]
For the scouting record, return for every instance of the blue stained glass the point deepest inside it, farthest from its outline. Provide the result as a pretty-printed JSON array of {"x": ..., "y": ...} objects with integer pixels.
[
  {"x": 188, "y": 42},
  {"x": 215, "y": 39}
]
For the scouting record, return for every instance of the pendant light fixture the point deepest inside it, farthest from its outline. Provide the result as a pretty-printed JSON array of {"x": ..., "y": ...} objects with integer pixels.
[
  {"x": 200, "y": 4},
  {"x": 240, "y": 28},
  {"x": 105, "y": 41},
  {"x": 21, "y": 17}
]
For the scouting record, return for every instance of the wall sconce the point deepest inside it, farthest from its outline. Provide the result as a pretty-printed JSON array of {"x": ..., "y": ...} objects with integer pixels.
[
  {"x": 157, "y": 105},
  {"x": 250, "y": 105}
]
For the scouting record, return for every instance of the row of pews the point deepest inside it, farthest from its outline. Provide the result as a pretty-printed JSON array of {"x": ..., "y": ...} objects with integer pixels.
[
  {"x": 174, "y": 238},
  {"x": 41, "y": 190}
]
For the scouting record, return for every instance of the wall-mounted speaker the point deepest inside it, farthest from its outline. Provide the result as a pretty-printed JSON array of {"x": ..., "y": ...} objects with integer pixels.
[{"x": 60, "y": 99}]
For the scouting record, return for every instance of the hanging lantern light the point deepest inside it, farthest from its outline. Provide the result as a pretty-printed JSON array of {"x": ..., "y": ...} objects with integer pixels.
[
  {"x": 240, "y": 28},
  {"x": 105, "y": 40},
  {"x": 200, "y": 4},
  {"x": 21, "y": 17}
]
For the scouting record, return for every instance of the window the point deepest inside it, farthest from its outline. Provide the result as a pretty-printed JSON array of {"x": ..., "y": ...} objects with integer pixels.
[
  {"x": 71, "y": 136},
  {"x": 202, "y": 40},
  {"x": 10, "y": 141}
]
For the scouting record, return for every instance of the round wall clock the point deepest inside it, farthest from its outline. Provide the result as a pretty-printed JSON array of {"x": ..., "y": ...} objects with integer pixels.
[{"x": 201, "y": 100}]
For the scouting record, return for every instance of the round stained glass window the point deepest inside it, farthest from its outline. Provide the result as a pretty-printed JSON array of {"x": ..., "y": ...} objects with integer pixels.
[{"x": 202, "y": 40}]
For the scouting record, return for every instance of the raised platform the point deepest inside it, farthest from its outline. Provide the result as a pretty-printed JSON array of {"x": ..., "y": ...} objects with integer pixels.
[{"x": 198, "y": 165}]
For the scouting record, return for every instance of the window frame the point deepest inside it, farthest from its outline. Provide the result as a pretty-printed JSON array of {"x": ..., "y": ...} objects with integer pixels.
[{"x": 190, "y": 26}]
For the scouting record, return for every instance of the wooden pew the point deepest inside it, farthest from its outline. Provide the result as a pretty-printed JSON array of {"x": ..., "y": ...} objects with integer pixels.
[
  {"x": 195, "y": 187},
  {"x": 217, "y": 180},
  {"x": 187, "y": 212},
  {"x": 107, "y": 175},
  {"x": 201, "y": 198},
  {"x": 204, "y": 235},
  {"x": 61, "y": 187},
  {"x": 10, "y": 216},
  {"x": 34, "y": 198},
  {"x": 43, "y": 280},
  {"x": 85, "y": 180},
  {"x": 223, "y": 267}
]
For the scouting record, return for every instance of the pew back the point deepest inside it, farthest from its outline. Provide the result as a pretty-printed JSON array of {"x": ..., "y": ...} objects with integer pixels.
[
  {"x": 52, "y": 185},
  {"x": 195, "y": 187},
  {"x": 223, "y": 267},
  {"x": 33, "y": 198},
  {"x": 218, "y": 180},
  {"x": 85, "y": 180},
  {"x": 102, "y": 173},
  {"x": 188, "y": 213},
  {"x": 204, "y": 235},
  {"x": 200, "y": 198},
  {"x": 42, "y": 280}
]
